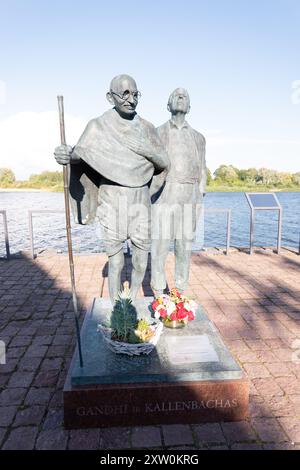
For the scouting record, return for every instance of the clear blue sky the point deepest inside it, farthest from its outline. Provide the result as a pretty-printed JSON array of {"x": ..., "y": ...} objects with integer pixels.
[{"x": 237, "y": 58}]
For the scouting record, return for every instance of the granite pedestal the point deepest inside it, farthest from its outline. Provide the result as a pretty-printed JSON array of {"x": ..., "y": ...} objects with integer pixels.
[{"x": 189, "y": 377}]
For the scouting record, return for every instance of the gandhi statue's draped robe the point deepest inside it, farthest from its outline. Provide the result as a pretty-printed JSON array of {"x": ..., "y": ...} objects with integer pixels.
[{"x": 125, "y": 152}]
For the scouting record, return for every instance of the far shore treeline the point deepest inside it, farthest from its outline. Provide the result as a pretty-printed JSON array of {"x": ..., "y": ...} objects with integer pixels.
[{"x": 225, "y": 178}]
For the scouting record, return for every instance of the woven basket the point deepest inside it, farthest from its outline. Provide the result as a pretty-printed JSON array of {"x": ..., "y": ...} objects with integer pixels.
[{"x": 131, "y": 349}]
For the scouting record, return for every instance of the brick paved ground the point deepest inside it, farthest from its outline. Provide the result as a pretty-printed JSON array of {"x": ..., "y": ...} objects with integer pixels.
[{"x": 253, "y": 300}]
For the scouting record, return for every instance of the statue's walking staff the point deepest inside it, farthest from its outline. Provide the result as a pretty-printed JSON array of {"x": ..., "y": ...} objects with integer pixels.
[{"x": 60, "y": 100}]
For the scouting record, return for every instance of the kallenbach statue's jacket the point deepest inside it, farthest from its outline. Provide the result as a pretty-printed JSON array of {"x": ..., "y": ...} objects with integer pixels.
[{"x": 187, "y": 160}]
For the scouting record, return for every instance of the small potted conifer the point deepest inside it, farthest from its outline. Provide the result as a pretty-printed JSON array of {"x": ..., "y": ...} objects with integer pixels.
[{"x": 125, "y": 333}]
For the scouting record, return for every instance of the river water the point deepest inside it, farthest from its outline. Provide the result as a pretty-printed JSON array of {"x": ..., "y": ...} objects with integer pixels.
[{"x": 49, "y": 229}]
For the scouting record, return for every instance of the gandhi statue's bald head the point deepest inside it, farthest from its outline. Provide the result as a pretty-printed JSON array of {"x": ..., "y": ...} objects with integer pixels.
[
  {"x": 123, "y": 95},
  {"x": 119, "y": 81},
  {"x": 179, "y": 101}
]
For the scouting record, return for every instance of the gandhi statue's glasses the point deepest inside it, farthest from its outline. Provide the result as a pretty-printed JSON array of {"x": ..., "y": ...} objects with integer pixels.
[{"x": 126, "y": 95}]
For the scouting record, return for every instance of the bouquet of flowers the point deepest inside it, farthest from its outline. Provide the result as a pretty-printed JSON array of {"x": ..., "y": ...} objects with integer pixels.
[{"x": 175, "y": 310}]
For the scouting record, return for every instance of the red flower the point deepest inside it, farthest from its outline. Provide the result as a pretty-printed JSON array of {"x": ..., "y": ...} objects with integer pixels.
[
  {"x": 173, "y": 316},
  {"x": 182, "y": 313},
  {"x": 179, "y": 305},
  {"x": 191, "y": 316},
  {"x": 155, "y": 304},
  {"x": 163, "y": 312}
]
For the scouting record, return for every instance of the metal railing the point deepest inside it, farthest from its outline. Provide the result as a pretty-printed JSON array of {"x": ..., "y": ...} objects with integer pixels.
[
  {"x": 228, "y": 228},
  {"x": 5, "y": 234},
  {"x": 46, "y": 211},
  {"x": 264, "y": 204},
  {"x": 30, "y": 224}
]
